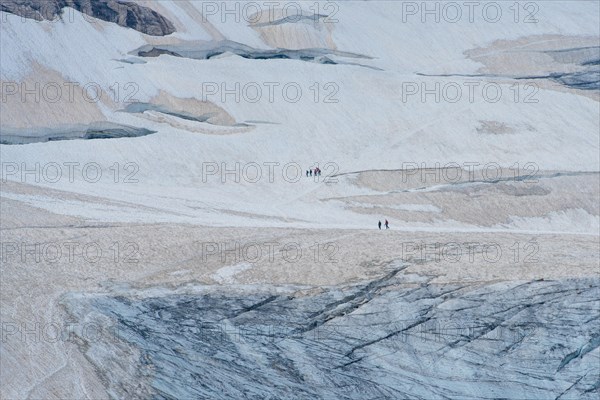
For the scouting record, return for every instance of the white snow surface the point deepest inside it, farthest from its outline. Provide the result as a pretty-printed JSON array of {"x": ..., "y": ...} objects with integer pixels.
[
  {"x": 369, "y": 127},
  {"x": 226, "y": 275}
]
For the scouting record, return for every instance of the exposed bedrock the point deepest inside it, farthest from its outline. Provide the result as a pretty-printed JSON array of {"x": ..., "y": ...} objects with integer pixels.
[{"x": 127, "y": 14}]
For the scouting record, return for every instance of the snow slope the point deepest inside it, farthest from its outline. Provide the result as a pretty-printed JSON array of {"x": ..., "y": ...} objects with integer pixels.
[
  {"x": 372, "y": 125},
  {"x": 385, "y": 315}
]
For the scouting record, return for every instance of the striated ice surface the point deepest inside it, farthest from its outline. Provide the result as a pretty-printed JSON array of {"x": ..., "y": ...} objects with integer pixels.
[{"x": 387, "y": 338}]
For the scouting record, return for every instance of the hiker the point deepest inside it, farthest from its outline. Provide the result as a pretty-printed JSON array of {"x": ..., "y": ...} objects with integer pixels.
[
  {"x": 379, "y": 225},
  {"x": 311, "y": 172},
  {"x": 319, "y": 169},
  {"x": 307, "y": 173},
  {"x": 387, "y": 226}
]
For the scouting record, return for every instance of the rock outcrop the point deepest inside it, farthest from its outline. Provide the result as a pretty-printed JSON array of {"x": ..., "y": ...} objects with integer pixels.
[{"x": 127, "y": 14}]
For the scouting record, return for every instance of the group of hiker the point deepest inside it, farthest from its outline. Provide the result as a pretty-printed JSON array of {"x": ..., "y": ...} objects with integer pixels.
[{"x": 316, "y": 172}]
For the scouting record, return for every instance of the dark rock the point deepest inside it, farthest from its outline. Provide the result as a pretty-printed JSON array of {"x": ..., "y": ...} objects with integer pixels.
[{"x": 126, "y": 14}]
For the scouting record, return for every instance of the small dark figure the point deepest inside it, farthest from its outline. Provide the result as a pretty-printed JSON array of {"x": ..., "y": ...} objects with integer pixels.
[
  {"x": 387, "y": 226},
  {"x": 307, "y": 173},
  {"x": 379, "y": 224},
  {"x": 319, "y": 171},
  {"x": 311, "y": 172}
]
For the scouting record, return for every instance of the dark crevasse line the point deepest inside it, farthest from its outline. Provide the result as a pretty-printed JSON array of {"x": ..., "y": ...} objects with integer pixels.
[
  {"x": 474, "y": 182},
  {"x": 138, "y": 107},
  {"x": 210, "y": 50},
  {"x": 594, "y": 343},
  {"x": 582, "y": 80},
  {"x": 416, "y": 341},
  {"x": 207, "y": 50},
  {"x": 586, "y": 79},
  {"x": 101, "y": 130},
  {"x": 292, "y": 19},
  {"x": 520, "y": 177}
]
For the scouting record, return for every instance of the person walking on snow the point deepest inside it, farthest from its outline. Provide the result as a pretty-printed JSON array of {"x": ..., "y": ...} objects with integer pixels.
[
  {"x": 387, "y": 224},
  {"x": 379, "y": 225}
]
